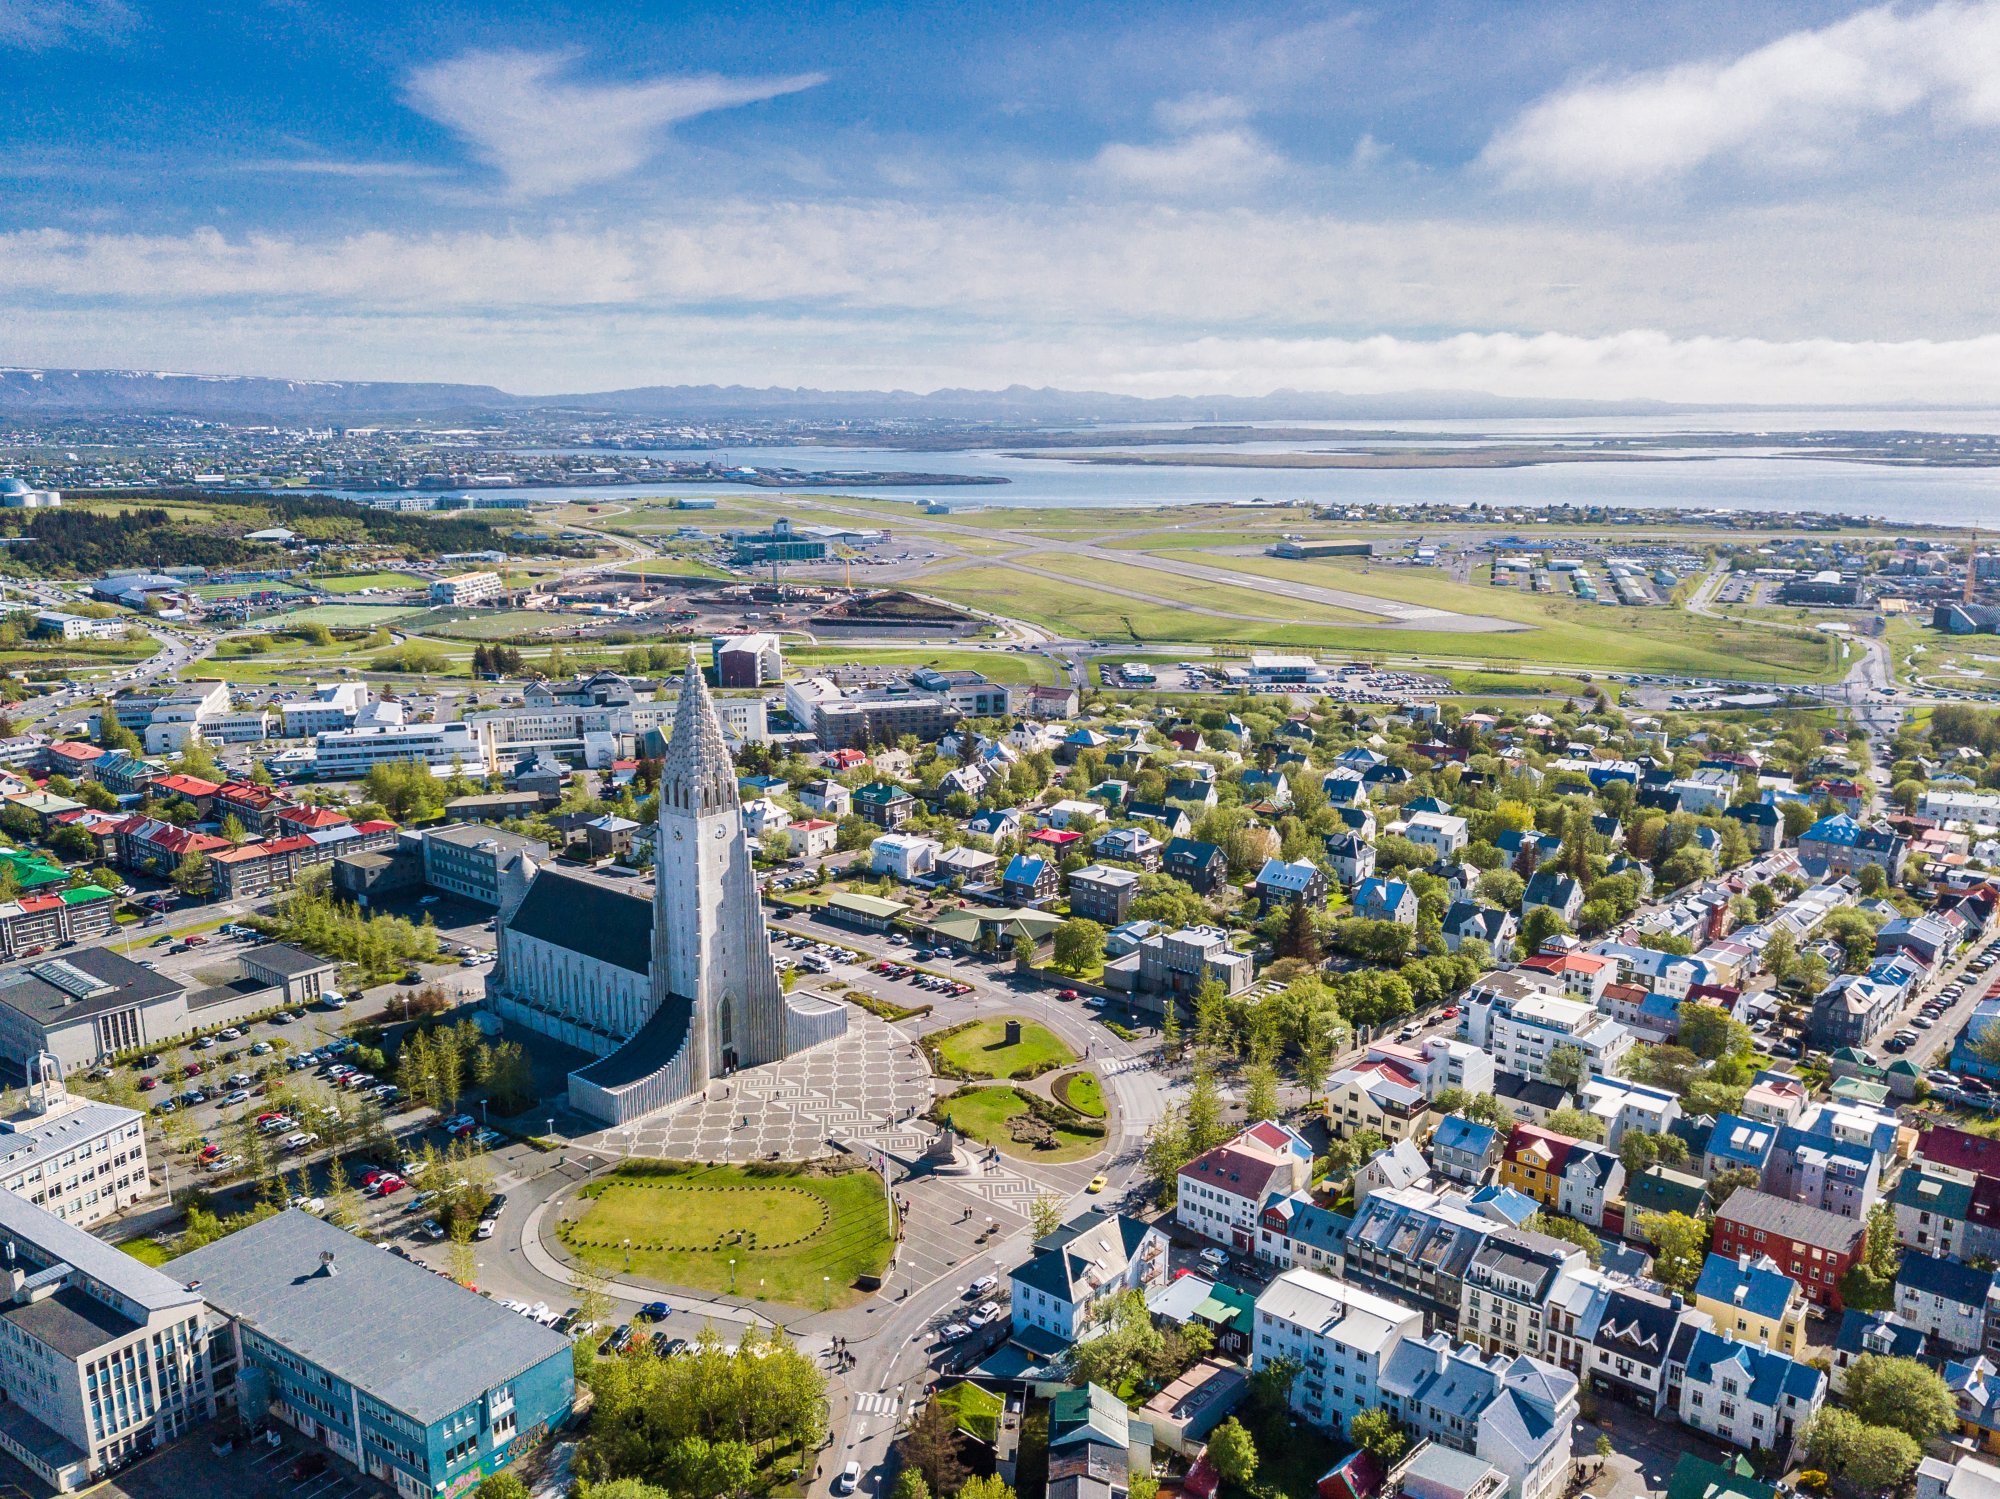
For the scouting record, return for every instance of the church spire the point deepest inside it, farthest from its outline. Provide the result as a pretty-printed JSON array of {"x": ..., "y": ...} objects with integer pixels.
[{"x": 698, "y": 775}]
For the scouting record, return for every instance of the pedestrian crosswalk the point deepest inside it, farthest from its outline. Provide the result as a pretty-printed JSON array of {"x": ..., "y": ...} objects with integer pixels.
[{"x": 873, "y": 1403}]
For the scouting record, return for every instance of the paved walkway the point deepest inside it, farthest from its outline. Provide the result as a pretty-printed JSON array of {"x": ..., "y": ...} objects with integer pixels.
[{"x": 863, "y": 1088}]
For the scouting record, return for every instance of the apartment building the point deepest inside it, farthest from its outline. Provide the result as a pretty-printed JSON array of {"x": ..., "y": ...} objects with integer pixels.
[
  {"x": 345, "y": 754},
  {"x": 463, "y": 589},
  {"x": 1338, "y": 1335},
  {"x": 102, "y": 1358}
]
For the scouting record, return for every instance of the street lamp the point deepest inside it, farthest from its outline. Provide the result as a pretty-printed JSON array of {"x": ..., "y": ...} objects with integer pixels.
[
  {"x": 732, "y": 1275},
  {"x": 628, "y": 1254},
  {"x": 825, "y": 1292}
]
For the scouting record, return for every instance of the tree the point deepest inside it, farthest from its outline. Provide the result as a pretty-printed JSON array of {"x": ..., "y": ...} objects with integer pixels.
[
  {"x": 1045, "y": 1213},
  {"x": 986, "y": 1486},
  {"x": 1680, "y": 1245},
  {"x": 502, "y": 1486},
  {"x": 1900, "y": 1393},
  {"x": 191, "y": 875},
  {"x": 1079, "y": 945},
  {"x": 1232, "y": 1453},
  {"x": 1480, "y": 1108},
  {"x": 1724, "y": 1183},
  {"x": 1883, "y": 1251},
  {"x": 1377, "y": 1432},
  {"x": 1166, "y": 1152},
  {"x": 1170, "y": 1026},
  {"x": 1576, "y": 1124},
  {"x": 1300, "y": 938},
  {"x": 1205, "y": 1129},
  {"x": 1260, "y": 1097},
  {"x": 1538, "y": 924},
  {"x": 931, "y": 1447},
  {"x": 1711, "y": 1032},
  {"x": 910, "y": 1485},
  {"x": 1024, "y": 950},
  {"x": 1569, "y": 1231},
  {"x": 1879, "y": 1458}
]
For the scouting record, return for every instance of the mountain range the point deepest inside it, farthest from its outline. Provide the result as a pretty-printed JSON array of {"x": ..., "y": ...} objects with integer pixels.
[{"x": 101, "y": 393}]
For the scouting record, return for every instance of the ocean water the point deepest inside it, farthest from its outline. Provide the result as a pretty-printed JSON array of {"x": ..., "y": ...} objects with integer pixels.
[{"x": 1730, "y": 480}]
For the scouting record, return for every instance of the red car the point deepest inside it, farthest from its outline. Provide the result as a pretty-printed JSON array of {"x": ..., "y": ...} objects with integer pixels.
[
  {"x": 1066, "y": 994},
  {"x": 369, "y": 1178},
  {"x": 193, "y": 1069},
  {"x": 148, "y": 1084},
  {"x": 1449, "y": 1012},
  {"x": 210, "y": 1152}
]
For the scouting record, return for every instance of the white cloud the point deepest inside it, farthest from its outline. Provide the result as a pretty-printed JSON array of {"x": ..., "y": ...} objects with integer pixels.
[
  {"x": 1796, "y": 104},
  {"x": 36, "y": 24},
  {"x": 317, "y": 166},
  {"x": 548, "y": 134},
  {"x": 1198, "y": 111},
  {"x": 1124, "y": 296},
  {"x": 1206, "y": 162}
]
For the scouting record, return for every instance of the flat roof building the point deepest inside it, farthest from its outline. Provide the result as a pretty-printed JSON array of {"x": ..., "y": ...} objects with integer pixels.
[
  {"x": 102, "y": 1358},
  {"x": 419, "y": 1382}
]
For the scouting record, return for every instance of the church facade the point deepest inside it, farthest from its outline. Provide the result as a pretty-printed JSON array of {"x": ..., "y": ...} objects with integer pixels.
[{"x": 668, "y": 993}]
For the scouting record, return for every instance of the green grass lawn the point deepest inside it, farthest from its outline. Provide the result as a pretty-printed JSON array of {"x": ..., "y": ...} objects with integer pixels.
[
  {"x": 147, "y": 1251},
  {"x": 346, "y": 615},
  {"x": 981, "y": 1113},
  {"x": 355, "y": 582},
  {"x": 1575, "y": 635},
  {"x": 982, "y": 1050},
  {"x": 786, "y": 1228},
  {"x": 500, "y": 624},
  {"x": 1082, "y": 1092}
]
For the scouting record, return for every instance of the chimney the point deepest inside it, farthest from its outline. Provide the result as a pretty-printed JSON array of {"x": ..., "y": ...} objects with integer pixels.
[{"x": 1743, "y": 1260}]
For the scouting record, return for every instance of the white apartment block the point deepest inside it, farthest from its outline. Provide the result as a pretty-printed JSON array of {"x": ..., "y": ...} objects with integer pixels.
[
  {"x": 73, "y": 1157},
  {"x": 1521, "y": 1021},
  {"x": 332, "y": 705},
  {"x": 466, "y": 588},
  {"x": 101, "y": 1357},
  {"x": 342, "y": 754},
  {"x": 1339, "y": 1336},
  {"x": 1440, "y": 832}
]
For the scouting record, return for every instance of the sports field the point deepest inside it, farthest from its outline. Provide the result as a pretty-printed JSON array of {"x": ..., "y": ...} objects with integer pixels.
[{"x": 787, "y": 1228}]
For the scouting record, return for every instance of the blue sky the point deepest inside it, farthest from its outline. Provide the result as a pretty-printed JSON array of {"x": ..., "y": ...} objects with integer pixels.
[{"x": 1784, "y": 202}]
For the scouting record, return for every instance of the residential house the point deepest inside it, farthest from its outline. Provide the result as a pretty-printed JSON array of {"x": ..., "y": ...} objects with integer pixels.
[
  {"x": 884, "y": 804},
  {"x": 1752, "y": 1397},
  {"x": 1202, "y": 866},
  {"x": 1815, "y": 1247},
  {"x": 1508, "y": 1288},
  {"x": 1624, "y": 1340},
  {"x": 1222, "y": 1192},
  {"x": 1952, "y": 1213},
  {"x": 1558, "y": 892},
  {"x": 1592, "y": 1180},
  {"x": 1279, "y": 883},
  {"x": 1029, "y": 880},
  {"x": 1946, "y": 1300},
  {"x": 1464, "y": 1150},
  {"x": 1339, "y": 1337},
  {"x": 1351, "y": 858},
  {"x": 1102, "y": 893},
  {"x": 1170, "y": 821},
  {"x": 1752, "y": 1300},
  {"x": 1467, "y": 921},
  {"x": 1068, "y": 1272},
  {"x": 1378, "y": 899},
  {"x": 1377, "y": 1095},
  {"x": 1398, "y": 1165},
  {"x": 1414, "y": 1245},
  {"x": 1516, "y": 1415},
  {"x": 1129, "y": 846},
  {"x": 1842, "y": 845},
  {"x": 1738, "y": 1144},
  {"x": 1876, "y": 1333},
  {"x": 1621, "y": 1105}
]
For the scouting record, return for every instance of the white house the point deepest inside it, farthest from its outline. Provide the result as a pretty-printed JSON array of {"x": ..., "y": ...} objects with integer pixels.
[
  {"x": 1441, "y": 832},
  {"x": 1748, "y": 1395},
  {"x": 903, "y": 856},
  {"x": 1095, "y": 1255},
  {"x": 764, "y": 816},
  {"x": 1339, "y": 1336},
  {"x": 1222, "y": 1192}
]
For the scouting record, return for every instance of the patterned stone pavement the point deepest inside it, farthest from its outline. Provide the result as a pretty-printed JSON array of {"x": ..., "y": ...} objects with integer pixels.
[{"x": 861, "y": 1088}]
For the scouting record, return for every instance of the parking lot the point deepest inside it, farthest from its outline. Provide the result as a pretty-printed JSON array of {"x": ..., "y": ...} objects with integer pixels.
[{"x": 252, "y": 1470}]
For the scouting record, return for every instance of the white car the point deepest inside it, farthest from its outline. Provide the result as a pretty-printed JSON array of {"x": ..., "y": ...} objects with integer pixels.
[
  {"x": 302, "y": 1140},
  {"x": 951, "y": 1332},
  {"x": 309, "y": 1204},
  {"x": 849, "y": 1477}
]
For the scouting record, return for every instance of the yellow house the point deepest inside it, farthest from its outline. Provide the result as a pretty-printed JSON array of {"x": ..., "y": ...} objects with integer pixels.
[
  {"x": 1753, "y": 1301},
  {"x": 1533, "y": 1163}
]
